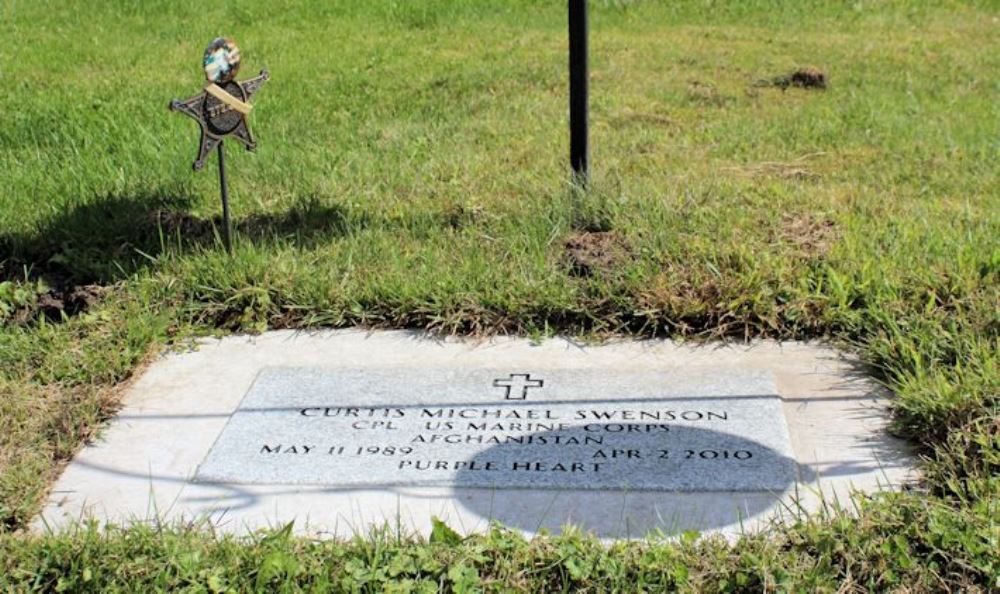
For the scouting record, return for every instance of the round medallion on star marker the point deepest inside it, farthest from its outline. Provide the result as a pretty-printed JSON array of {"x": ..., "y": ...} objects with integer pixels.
[
  {"x": 221, "y": 118},
  {"x": 222, "y": 60}
]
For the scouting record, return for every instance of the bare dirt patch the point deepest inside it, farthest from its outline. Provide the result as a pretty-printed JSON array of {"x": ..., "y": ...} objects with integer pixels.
[
  {"x": 71, "y": 300},
  {"x": 45, "y": 293},
  {"x": 803, "y": 78},
  {"x": 810, "y": 235},
  {"x": 595, "y": 253},
  {"x": 808, "y": 78}
]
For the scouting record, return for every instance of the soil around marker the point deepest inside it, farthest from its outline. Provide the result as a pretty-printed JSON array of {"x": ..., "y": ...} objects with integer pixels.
[{"x": 595, "y": 253}]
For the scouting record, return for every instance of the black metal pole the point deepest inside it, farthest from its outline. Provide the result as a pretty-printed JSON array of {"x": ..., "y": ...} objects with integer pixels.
[
  {"x": 227, "y": 226},
  {"x": 579, "y": 151}
]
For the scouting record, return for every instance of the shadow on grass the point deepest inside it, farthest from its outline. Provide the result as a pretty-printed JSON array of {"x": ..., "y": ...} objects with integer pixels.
[
  {"x": 68, "y": 261},
  {"x": 109, "y": 238}
]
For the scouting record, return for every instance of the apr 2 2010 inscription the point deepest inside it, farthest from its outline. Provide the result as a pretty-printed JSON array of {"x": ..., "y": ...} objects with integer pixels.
[{"x": 573, "y": 429}]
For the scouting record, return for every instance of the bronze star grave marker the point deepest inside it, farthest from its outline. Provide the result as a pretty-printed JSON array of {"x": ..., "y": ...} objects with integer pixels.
[{"x": 221, "y": 110}]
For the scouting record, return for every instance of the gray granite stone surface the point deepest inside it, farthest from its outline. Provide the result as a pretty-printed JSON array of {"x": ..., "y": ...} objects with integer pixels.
[{"x": 718, "y": 430}]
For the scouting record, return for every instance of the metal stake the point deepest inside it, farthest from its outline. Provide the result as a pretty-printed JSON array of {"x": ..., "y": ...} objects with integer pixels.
[
  {"x": 579, "y": 151},
  {"x": 227, "y": 226}
]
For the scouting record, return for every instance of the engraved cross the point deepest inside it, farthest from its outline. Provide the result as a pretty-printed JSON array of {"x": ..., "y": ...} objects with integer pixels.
[{"x": 517, "y": 385}]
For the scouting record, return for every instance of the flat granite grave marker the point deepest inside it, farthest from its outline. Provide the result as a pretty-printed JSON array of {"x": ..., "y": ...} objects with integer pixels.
[
  {"x": 342, "y": 431},
  {"x": 496, "y": 429}
]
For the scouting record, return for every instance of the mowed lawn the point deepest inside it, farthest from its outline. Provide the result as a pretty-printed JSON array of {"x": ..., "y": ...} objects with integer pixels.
[{"x": 412, "y": 172}]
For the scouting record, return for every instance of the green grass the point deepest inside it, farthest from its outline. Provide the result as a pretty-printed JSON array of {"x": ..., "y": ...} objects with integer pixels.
[{"x": 412, "y": 173}]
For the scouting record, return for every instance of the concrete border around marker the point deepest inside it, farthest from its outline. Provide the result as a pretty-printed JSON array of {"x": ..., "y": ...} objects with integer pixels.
[{"x": 139, "y": 471}]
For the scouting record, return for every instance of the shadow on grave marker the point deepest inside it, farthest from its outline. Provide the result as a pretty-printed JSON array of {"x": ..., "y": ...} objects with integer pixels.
[{"x": 686, "y": 491}]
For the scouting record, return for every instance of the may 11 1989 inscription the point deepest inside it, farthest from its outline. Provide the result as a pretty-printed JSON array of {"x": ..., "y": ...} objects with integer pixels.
[{"x": 564, "y": 428}]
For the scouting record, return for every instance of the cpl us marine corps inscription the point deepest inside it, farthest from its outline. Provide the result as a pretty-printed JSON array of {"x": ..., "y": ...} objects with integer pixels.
[
  {"x": 221, "y": 110},
  {"x": 566, "y": 428}
]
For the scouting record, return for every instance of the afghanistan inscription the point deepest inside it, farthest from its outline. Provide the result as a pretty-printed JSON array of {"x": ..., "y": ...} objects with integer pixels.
[{"x": 566, "y": 428}]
